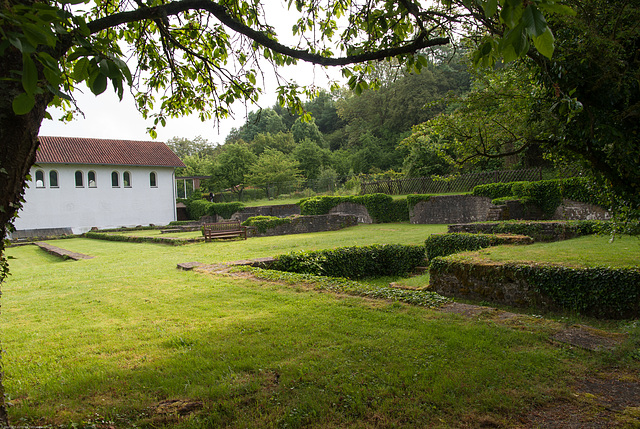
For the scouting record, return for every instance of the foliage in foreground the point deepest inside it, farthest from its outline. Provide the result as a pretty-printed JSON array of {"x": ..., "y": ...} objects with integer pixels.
[
  {"x": 355, "y": 262},
  {"x": 350, "y": 287}
]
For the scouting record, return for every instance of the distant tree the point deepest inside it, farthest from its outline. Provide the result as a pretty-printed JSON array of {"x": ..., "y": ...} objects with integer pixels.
[
  {"x": 184, "y": 147},
  {"x": 324, "y": 112},
  {"x": 258, "y": 122},
  {"x": 499, "y": 120},
  {"x": 232, "y": 166},
  {"x": 311, "y": 158},
  {"x": 274, "y": 169},
  {"x": 281, "y": 141},
  {"x": 307, "y": 130},
  {"x": 426, "y": 157},
  {"x": 196, "y": 165}
]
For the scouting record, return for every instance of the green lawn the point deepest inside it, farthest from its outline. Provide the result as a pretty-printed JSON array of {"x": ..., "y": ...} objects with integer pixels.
[
  {"x": 102, "y": 342},
  {"x": 589, "y": 251}
]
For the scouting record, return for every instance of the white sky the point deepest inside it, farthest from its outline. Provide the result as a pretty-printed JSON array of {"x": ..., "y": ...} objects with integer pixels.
[{"x": 107, "y": 117}]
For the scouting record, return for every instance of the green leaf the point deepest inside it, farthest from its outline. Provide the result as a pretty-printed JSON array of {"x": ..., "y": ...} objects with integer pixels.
[
  {"x": 490, "y": 8},
  {"x": 511, "y": 12},
  {"x": 553, "y": 7},
  {"x": 29, "y": 75},
  {"x": 534, "y": 21},
  {"x": 23, "y": 103},
  {"x": 97, "y": 83},
  {"x": 545, "y": 43},
  {"x": 81, "y": 69}
]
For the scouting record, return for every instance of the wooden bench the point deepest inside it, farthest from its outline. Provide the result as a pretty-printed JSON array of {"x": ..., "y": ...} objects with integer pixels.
[{"x": 228, "y": 229}]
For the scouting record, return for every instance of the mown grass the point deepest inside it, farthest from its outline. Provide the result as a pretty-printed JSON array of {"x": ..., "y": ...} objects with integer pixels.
[
  {"x": 588, "y": 251},
  {"x": 103, "y": 341}
]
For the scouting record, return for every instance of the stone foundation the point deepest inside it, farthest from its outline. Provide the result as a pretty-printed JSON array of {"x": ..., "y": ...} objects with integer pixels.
[
  {"x": 282, "y": 210},
  {"x": 451, "y": 209},
  {"x": 306, "y": 224},
  {"x": 358, "y": 210}
]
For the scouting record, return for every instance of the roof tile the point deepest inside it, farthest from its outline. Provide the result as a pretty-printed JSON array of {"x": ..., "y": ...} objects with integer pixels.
[{"x": 78, "y": 150}]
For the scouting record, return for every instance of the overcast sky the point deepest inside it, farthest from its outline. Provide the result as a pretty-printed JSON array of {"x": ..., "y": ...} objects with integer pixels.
[{"x": 107, "y": 117}]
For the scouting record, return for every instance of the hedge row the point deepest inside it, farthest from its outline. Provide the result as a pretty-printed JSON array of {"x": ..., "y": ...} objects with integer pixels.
[
  {"x": 354, "y": 262},
  {"x": 263, "y": 223},
  {"x": 133, "y": 239},
  {"x": 446, "y": 244},
  {"x": 381, "y": 207},
  {"x": 546, "y": 194},
  {"x": 198, "y": 208},
  {"x": 598, "y": 291},
  {"x": 547, "y": 231}
]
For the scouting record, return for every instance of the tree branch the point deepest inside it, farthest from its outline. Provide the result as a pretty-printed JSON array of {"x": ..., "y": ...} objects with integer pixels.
[{"x": 220, "y": 12}]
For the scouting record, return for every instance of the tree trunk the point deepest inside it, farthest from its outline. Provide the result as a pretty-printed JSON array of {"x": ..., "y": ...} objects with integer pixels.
[{"x": 18, "y": 144}]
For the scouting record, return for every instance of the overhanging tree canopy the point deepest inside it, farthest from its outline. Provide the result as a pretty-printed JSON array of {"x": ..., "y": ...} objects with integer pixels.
[{"x": 199, "y": 56}]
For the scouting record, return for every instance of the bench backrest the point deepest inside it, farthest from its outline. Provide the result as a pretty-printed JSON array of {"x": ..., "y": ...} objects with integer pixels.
[{"x": 223, "y": 226}]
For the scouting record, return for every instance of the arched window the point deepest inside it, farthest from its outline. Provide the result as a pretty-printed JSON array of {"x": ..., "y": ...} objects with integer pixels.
[
  {"x": 39, "y": 179},
  {"x": 53, "y": 179},
  {"x": 115, "y": 179},
  {"x": 79, "y": 179},
  {"x": 153, "y": 179},
  {"x": 91, "y": 178},
  {"x": 126, "y": 179}
]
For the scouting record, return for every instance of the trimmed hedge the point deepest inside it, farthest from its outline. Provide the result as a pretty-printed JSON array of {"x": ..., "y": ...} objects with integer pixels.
[
  {"x": 198, "y": 208},
  {"x": 414, "y": 199},
  {"x": 263, "y": 223},
  {"x": 381, "y": 207},
  {"x": 354, "y": 262},
  {"x": 539, "y": 231},
  {"x": 546, "y": 194},
  {"x": 446, "y": 244},
  {"x": 132, "y": 239},
  {"x": 598, "y": 291}
]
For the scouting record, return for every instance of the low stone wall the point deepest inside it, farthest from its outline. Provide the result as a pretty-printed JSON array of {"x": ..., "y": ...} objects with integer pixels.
[
  {"x": 358, "y": 210},
  {"x": 493, "y": 282},
  {"x": 451, "y": 209},
  {"x": 281, "y": 210},
  {"x": 40, "y": 234},
  {"x": 539, "y": 231},
  {"x": 305, "y": 224},
  {"x": 574, "y": 210}
]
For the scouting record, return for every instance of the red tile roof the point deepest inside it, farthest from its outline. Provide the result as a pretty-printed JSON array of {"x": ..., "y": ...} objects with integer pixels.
[{"x": 78, "y": 150}]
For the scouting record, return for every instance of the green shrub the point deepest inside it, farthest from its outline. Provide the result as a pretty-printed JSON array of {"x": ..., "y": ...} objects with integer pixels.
[
  {"x": 414, "y": 199},
  {"x": 263, "y": 223},
  {"x": 494, "y": 190},
  {"x": 198, "y": 208},
  {"x": 545, "y": 194},
  {"x": 226, "y": 210},
  {"x": 354, "y": 262},
  {"x": 381, "y": 207},
  {"x": 446, "y": 244}
]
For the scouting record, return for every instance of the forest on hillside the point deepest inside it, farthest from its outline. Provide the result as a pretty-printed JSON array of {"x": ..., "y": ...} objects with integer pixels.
[{"x": 448, "y": 119}]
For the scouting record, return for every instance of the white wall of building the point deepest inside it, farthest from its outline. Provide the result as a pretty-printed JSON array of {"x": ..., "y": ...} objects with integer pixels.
[{"x": 102, "y": 206}]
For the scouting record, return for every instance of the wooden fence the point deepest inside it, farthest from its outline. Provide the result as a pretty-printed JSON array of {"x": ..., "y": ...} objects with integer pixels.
[{"x": 443, "y": 185}]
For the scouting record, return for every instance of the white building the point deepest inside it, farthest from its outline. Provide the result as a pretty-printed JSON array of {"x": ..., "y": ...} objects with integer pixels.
[{"x": 80, "y": 183}]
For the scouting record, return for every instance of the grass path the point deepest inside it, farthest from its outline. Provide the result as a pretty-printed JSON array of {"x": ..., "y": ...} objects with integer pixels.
[{"x": 103, "y": 342}]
